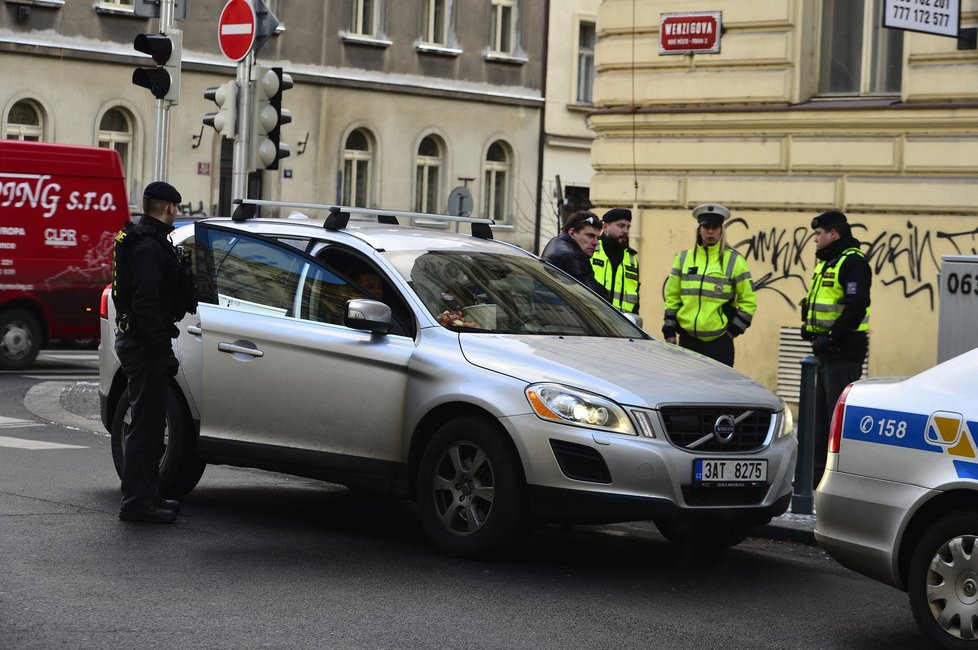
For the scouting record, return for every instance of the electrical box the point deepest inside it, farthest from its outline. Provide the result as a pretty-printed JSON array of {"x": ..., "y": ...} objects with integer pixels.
[{"x": 957, "y": 325}]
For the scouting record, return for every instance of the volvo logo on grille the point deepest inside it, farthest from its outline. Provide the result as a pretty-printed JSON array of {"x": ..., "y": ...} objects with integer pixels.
[{"x": 723, "y": 428}]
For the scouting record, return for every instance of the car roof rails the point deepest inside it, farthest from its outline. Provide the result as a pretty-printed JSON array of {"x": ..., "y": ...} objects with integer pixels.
[{"x": 339, "y": 215}]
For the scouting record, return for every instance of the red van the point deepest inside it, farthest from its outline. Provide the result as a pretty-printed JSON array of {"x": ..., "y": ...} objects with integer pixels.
[{"x": 60, "y": 207}]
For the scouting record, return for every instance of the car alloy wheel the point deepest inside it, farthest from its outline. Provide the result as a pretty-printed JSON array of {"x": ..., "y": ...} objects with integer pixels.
[
  {"x": 943, "y": 581},
  {"x": 471, "y": 489}
]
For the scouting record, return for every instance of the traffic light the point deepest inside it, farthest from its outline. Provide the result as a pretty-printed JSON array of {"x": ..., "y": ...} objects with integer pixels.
[
  {"x": 167, "y": 50},
  {"x": 224, "y": 120},
  {"x": 267, "y": 118}
]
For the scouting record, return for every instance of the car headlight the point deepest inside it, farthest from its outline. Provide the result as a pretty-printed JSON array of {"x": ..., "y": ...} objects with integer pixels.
[
  {"x": 788, "y": 428},
  {"x": 557, "y": 403}
]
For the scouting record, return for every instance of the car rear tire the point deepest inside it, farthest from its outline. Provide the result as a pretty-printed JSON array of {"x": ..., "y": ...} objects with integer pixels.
[
  {"x": 180, "y": 468},
  {"x": 943, "y": 581},
  {"x": 20, "y": 339},
  {"x": 471, "y": 490},
  {"x": 713, "y": 534}
]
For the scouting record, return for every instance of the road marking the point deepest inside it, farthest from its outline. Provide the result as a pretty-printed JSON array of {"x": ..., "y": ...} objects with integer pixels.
[
  {"x": 15, "y": 423},
  {"x": 20, "y": 443}
]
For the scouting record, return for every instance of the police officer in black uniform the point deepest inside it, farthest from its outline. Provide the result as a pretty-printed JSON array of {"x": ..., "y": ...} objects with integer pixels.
[{"x": 147, "y": 298}]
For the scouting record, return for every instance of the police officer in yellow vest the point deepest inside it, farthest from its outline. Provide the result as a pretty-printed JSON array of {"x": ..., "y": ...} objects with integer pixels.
[
  {"x": 615, "y": 264},
  {"x": 835, "y": 318},
  {"x": 709, "y": 295}
]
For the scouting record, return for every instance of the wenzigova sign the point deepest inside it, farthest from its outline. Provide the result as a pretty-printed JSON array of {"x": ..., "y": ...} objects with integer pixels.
[{"x": 690, "y": 33}]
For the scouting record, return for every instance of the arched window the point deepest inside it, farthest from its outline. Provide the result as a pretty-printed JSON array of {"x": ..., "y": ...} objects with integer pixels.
[
  {"x": 427, "y": 183},
  {"x": 496, "y": 183},
  {"x": 24, "y": 122},
  {"x": 356, "y": 169},
  {"x": 115, "y": 132}
]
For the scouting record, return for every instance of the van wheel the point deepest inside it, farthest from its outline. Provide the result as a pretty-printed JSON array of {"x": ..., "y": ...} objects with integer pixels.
[
  {"x": 20, "y": 339},
  {"x": 943, "y": 581},
  {"x": 180, "y": 468},
  {"x": 471, "y": 494},
  {"x": 713, "y": 534}
]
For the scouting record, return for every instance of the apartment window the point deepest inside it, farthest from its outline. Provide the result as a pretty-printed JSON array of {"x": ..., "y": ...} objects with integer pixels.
[
  {"x": 858, "y": 56},
  {"x": 434, "y": 13},
  {"x": 503, "y": 36},
  {"x": 585, "y": 62},
  {"x": 24, "y": 122},
  {"x": 427, "y": 177},
  {"x": 496, "y": 182},
  {"x": 115, "y": 5},
  {"x": 115, "y": 132},
  {"x": 356, "y": 169},
  {"x": 364, "y": 21}
]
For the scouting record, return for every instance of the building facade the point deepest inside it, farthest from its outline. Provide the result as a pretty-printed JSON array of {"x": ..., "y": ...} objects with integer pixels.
[
  {"x": 809, "y": 105},
  {"x": 395, "y": 103}
]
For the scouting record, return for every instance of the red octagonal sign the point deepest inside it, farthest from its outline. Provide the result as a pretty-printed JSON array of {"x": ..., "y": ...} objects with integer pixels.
[{"x": 236, "y": 29}]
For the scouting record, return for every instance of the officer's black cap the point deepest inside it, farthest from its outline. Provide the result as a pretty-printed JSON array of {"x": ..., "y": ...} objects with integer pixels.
[
  {"x": 617, "y": 214},
  {"x": 162, "y": 191},
  {"x": 829, "y": 220}
]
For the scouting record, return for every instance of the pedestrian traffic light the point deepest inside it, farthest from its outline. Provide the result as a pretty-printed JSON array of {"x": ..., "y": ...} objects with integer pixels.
[
  {"x": 224, "y": 120},
  {"x": 167, "y": 50},
  {"x": 267, "y": 118}
]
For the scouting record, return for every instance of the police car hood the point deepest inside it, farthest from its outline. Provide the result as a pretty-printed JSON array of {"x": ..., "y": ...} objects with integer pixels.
[{"x": 632, "y": 372}]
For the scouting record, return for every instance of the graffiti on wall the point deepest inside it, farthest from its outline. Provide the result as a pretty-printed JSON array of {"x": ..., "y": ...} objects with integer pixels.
[
  {"x": 188, "y": 209},
  {"x": 906, "y": 256}
]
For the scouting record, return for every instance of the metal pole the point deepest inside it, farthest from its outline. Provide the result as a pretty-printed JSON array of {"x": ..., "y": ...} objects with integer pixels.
[
  {"x": 802, "y": 499},
  {"x": 242, "y": 143},
  {"x": 161, "y": 147}
]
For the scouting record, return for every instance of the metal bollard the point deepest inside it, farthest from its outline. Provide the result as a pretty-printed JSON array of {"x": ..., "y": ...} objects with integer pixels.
[{"x": 802, "y": 498}]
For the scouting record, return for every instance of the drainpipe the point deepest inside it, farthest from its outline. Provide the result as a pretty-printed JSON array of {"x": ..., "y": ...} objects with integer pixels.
[{"x": 543, "y": 129}]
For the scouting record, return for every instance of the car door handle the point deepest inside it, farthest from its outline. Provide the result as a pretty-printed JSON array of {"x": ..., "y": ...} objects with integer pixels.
[
  {"x": 194, "y": 329},
  {"x": 232, "y": 348}
]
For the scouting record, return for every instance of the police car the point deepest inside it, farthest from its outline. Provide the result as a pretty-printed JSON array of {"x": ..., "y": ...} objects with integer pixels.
[{"x": 899, "y": 499}]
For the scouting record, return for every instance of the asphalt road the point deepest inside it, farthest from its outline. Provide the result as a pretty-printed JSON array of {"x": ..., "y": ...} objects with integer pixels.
[{"x": 263, "y": 560}]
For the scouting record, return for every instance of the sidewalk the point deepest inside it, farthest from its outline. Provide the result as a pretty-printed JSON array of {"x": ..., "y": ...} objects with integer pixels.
[{"x": 789, "y": 527}]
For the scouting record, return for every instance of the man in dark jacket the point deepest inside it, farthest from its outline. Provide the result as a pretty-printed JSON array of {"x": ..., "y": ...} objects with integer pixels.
[
  {"x": 146, "y": 305},
  {"x": 835, "y": 316},
  {"x": 572, "y": 249}
]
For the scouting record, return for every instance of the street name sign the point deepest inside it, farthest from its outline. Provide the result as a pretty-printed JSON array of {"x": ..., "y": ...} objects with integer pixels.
[
  {"x": 690, "y": 33},
  {"x": 940, "y": 17},
  {"x": 236, "y": 29}
]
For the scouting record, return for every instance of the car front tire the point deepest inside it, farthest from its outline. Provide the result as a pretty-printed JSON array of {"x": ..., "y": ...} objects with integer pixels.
[
  {"x": 943, "y": 581},
  {"x": 180, "y": 469},
  {"x": 471, "y": 494},
  {"x": 20, "y": 339}
]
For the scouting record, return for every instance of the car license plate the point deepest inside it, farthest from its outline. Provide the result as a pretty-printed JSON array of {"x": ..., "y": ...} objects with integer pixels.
[{"x": 717, "y": 470}]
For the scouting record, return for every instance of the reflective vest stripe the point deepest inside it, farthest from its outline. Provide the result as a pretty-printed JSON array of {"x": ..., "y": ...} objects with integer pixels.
[
  {"x": 624, "y": 293},
  {"x": 825, "y": 303}
]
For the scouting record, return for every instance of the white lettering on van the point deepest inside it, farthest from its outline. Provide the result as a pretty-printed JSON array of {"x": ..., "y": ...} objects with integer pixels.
[
  {"x": 39, "y": 190},
  {"x": 12, "y": 231},
  {"x": 8, "y": 245},
  {"x": 60, "y": 237},
  {"x": 30, "y": 189}
]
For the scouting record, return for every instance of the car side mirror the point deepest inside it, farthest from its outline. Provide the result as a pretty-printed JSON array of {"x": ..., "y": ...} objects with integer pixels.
[
  {"x": 635, "y": 318},
  {"x": 370, "y": 315}
]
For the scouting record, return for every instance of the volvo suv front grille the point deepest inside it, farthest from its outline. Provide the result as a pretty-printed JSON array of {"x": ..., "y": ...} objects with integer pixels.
[{"x": 717, "y": 429}]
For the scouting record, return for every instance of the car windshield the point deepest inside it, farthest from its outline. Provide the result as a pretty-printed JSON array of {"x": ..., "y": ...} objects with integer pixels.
[{"x": 507, "y": 294}]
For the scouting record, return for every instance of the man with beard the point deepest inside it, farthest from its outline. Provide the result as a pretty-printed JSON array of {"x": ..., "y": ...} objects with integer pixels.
[
  {"x": 709, "y": 295},
  {"x": 835, "y": 318},
  {"x": 615, "y": 264},
  {"x": 571, "y": 250}
]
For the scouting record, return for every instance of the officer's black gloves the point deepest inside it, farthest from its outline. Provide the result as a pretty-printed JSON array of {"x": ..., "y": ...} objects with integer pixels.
[
  {"x": 822, "y": 344},
  {"x": 170, "y": 366}
]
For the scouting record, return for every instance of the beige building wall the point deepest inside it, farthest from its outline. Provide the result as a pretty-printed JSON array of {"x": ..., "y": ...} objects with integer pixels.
[{"x": 746, "y": 128}]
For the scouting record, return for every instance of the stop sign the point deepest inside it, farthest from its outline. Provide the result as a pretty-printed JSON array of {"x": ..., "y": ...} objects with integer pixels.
[{"x": 236, "y": 29}]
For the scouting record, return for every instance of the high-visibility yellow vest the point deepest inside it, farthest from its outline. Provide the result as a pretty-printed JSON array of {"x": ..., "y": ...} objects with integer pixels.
[
  {"x": 624, "y": 293},
  {"x": 826, "y": 294},
  {"x": 702, "y": 281}
]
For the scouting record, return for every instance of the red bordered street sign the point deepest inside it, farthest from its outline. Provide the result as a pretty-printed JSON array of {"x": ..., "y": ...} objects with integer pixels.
[
  {"x": 236, "y": 29},
  {"x": 690, "y": 33}
]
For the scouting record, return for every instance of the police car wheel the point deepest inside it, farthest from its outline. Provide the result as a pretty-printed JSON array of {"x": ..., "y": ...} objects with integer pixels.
[
  {"x": 180, "y": 469},
  {"x": 943, "y": 581},
  {"x": 471, "y": 490},
  {"x": 20, "y": 339}
]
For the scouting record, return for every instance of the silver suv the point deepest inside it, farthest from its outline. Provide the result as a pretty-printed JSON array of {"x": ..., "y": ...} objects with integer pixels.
[{"x": 461, "y": 372}]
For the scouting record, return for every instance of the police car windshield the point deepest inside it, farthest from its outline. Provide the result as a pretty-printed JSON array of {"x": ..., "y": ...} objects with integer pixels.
[{"x": 507, "y": 294}]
